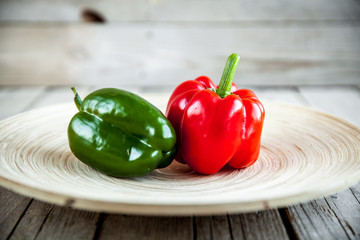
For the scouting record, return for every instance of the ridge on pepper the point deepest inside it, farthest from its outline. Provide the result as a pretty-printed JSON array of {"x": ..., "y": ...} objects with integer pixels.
[{"x": 216, "y": 125}]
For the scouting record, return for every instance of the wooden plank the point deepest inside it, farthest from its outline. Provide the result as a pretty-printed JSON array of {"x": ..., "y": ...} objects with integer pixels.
[
  {"x": 341, "y": 101},
  {"x": 320, "y": 219},
  {"x": 57, "y": 95},
  {"x": 213, "y": 227},
  {"x": 12, "y": 208},
  {"x": 66, "y": 223},
  {"x": 32, "y": 221},
  {"x": 139, "y": 227},
  {"x": 356, "y": 191},
  {"x": 157, "y": 10},
  {"x": 165, "y": 55},
  {"x": 17, "y": 99},
  {"x": 346, "y": 207},
  {"x": 281, "y": 94},
  {"x": 259, "y": 225}
]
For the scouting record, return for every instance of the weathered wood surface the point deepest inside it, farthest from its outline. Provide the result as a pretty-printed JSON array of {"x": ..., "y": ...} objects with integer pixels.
[
  {"x": 334, "y": 217},
  {"x": 137, "y": 227},
  {"x": 12, "y": 209},
  {"x": 144, "y": 54},
  {"x": 32, "y": 221},
  {"x": 160, "y": 42},
  {"x": 340, "y": 101},
  {"x": 256, "y": 226},
  {"x": 184, "y": 11}
]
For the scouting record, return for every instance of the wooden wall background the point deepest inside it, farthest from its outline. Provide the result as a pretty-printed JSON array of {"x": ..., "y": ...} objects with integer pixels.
[{"x": 164, "y": 42}]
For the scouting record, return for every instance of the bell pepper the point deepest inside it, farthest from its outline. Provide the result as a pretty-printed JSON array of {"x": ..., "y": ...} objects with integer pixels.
[
  {"x": 120, "y": 133},
  {"x": 216, "y": 126}
]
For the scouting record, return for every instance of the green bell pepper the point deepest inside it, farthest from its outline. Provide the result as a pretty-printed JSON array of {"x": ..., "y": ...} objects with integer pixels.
[{"x": 120, "y": 134}]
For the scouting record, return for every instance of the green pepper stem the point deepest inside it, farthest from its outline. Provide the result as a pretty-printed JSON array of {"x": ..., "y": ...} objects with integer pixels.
[
  {"x": 77, "y": 98},
  {"x": 228, "y": 75}
]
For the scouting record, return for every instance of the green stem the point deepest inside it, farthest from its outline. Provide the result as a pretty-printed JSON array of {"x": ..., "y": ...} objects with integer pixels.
[
  {"x": 228, "y": 75},
  {"x": 77, "y": 98}
]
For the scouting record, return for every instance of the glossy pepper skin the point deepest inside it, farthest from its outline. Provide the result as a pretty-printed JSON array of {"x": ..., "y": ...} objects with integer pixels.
[
  {"x": 120, "y": 133},
  {"x": 216, "y": 126}
]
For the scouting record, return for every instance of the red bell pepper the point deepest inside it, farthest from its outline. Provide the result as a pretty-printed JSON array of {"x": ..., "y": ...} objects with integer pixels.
[{"x": 216, "y": 126}]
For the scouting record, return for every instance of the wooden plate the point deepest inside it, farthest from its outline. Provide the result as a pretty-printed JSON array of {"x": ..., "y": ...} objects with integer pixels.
[{"x": 305, "y": 154}]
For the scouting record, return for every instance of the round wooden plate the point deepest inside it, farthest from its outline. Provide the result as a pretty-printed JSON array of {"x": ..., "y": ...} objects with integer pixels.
[{"x": 305, "y": 154}]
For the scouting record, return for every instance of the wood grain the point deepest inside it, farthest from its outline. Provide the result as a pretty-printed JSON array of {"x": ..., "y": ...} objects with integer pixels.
[
  {"x": 140, "y": 227},
  {"x": 258, "y": 225},
  {"x": 65, "y": 223},
  {"x": 316, "y": 221},
  {"x": 54, "y": 95},
  {"x": 143, "y": 54},
  {"x": 12, "y": 208},
  {"x": 346, "y": 208},
  {"x": 279, "y": 94},
  {"x": 356, "y": 191},
  {"x": 213, "y": 227},
  {"x": 338, "y": 100},
  {"x": 185, "y": 11},
  {"x": 17, "y": 99},
  {"x": 31, "y": 222}
]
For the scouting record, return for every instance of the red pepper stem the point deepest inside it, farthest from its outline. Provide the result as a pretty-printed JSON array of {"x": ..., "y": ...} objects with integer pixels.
[
  {"x": 228, "y": 75},
  {"x": 77, "y": 98}
]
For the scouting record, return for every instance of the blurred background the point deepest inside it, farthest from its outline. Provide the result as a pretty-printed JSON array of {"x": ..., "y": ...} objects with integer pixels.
[{"x": 160, "y": 43}]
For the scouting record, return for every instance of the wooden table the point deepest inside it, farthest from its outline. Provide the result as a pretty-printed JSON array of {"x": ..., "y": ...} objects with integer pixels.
[{"x": 332, "y": 217}]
